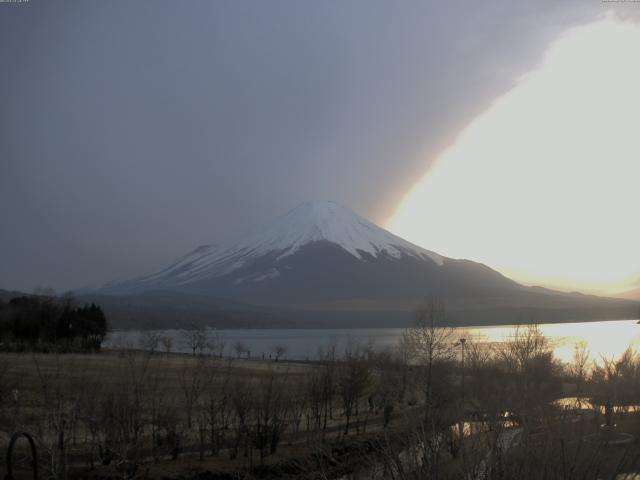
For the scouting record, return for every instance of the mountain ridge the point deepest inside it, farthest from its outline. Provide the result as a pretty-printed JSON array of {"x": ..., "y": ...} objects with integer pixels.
[
  {"x": 312, "y": 221},
  {"x": 317, "y": 261}
]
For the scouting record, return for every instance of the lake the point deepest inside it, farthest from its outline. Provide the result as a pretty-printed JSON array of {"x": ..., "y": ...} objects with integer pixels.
[{"x": 603, "y": 338}]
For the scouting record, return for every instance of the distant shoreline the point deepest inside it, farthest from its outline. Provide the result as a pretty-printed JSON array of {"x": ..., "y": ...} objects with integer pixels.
[{"x": 376, "y": 327}]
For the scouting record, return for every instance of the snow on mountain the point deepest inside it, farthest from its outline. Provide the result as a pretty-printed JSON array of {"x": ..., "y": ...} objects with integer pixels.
[
  {"x": 328, "y": 221},
  {"x": 183, "y": 267},
  {"x": 309, "y": 222},
  {"x": 321, "y": 264}
]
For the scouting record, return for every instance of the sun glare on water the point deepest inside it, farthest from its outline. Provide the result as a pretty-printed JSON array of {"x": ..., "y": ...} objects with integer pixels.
[
  {"x": 602, "y": 340},
  {"x": 545, "y": 185}
]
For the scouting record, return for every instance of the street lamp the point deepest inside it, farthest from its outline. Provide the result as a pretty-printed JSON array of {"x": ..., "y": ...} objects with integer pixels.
[{"x": 462, "y": 343}]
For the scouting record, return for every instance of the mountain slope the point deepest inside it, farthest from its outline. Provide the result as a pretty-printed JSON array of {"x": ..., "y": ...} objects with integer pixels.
[
  {"x": 630, "y": 295},
  {"x": 309, "y": 223},
  {"x": 177, "y": 272},
  {"x": 319, "y": 246},
  {"x": 321, "y": 261}
]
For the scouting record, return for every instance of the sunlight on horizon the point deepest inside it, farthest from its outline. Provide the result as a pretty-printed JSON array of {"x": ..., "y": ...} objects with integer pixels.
[
  {"x": 563, "y": 337},
  {"x": 543, "y": 186}
]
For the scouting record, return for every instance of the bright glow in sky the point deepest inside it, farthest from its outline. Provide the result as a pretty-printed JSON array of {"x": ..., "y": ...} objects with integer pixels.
[{"x": 545, "y": 185}]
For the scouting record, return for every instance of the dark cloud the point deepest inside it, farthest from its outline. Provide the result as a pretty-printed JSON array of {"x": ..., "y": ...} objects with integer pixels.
[{"x": 131, "y": 131}]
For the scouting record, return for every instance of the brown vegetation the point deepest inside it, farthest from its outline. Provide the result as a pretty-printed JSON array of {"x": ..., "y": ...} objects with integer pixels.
[{"x": 438, "y": 406}]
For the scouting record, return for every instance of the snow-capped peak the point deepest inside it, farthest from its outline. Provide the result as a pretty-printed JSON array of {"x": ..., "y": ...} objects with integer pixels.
[
  {"x": 309, "y": 222},
  {"x": 331, "y": 222}
]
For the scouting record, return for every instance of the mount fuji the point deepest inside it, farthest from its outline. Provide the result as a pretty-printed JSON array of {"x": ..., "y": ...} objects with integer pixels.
[{"x": 322, "y": 264}]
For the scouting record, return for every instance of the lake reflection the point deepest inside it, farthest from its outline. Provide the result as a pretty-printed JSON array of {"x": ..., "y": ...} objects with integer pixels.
[{"x": 606, "y": 338}]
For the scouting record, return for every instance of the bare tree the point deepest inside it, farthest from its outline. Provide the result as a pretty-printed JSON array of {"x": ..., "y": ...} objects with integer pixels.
[
  {"x": 217, "y": 410},
  {"x": 579, "y": 366},
  {"x": 59, "y": 403},
  {"x": 239, "y": 347},
  {"x": 354, "y": 379},
  {"x": 242, "y": 402},
  {"x": 431, "y": 345},
  {"x": 615, "y": 380},
  {"x": 89, "y": 414},
  {"x": 157, "y": 404},
  {"x": 531, "y": 368},
  {"x": 122, "y": 411},
  {"x": 216, "y": 343},
  {"x": 298, "y": 402},
  {"x": 431, "y": 340},
  {"x": 315, "y": 393},
  {"x": 269, "y": 413},
  {"x": 195, "y": 338},
  {"x": 4, "y": 393},
  {"x": 192, "y": 377},
  {"x": 390, "y": 384},
  {"x": 279, "y": 350},
  {"x": 167, "y": 344},
  {"x": 149, "y": 341}
]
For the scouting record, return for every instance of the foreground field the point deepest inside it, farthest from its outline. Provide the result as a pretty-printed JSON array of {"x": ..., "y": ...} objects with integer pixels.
[
  {"x": 131, "y": 413},
  {"x": 415, "y": 412}
]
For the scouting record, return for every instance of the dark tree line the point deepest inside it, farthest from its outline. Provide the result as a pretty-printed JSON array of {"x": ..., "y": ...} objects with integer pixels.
[{"x": 44, "y": 323}]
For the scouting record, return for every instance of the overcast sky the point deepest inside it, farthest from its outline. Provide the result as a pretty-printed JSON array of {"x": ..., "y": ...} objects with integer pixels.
[{"x": 133, "y": 131}]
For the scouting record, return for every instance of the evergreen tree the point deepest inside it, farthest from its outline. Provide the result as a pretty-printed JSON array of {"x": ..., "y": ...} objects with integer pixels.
[{"x": 43, "y": 322}]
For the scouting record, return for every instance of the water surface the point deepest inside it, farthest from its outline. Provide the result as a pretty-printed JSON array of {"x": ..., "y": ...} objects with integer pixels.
[{"x": 602, "y": 338}]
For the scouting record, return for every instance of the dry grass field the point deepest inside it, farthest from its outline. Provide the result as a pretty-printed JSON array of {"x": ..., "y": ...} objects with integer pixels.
[
  {"x": 363, "y": 414},
  {"x": 175, "y": 414}
]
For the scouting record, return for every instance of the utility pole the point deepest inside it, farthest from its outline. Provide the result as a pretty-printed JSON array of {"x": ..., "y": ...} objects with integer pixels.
[
  {"x": 462, "y": 410},
  {"x": 462, "y": 343}
]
